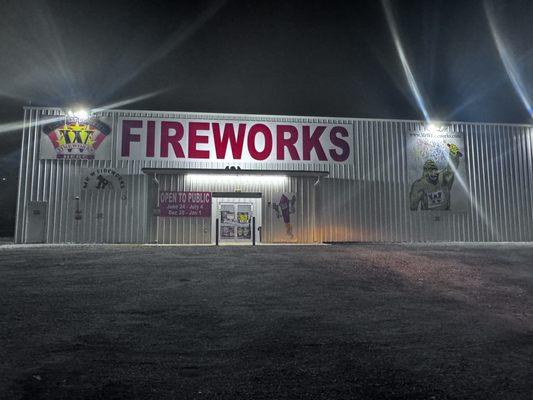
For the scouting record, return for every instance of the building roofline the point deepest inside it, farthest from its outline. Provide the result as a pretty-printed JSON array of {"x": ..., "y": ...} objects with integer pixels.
[{"x": 274, "y": 116}]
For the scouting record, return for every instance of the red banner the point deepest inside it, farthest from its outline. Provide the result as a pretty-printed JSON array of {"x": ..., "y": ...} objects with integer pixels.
[{"x": 185, "y": 204}]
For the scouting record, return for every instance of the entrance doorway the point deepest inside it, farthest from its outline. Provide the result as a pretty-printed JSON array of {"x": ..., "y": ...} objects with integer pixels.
[{"x": 236, "y": 219}]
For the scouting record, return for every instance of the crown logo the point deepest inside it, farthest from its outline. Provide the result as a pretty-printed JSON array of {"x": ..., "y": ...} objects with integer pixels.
[{"x": 77, "y": 140}]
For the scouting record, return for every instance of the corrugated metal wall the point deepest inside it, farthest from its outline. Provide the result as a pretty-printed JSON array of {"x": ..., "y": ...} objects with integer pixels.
[
  {"x": 106, "y": 216},
  {"x": 198, "y": 230},
  {"x": 370, "y": 201},
  {"x": 364, "y": 201}
]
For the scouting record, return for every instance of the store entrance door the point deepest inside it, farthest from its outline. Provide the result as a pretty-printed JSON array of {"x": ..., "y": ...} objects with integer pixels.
[
  {"x": 235, "y": 223},
  {"x": 235, "y": 220}
]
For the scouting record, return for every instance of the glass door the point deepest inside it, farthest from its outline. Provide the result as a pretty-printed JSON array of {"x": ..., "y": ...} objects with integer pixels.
[{"x": 235, "y": 222}]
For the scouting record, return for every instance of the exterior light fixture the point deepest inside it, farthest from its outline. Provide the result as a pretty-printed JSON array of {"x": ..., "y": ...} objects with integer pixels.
[
  {"x": 433, "y": 128},
  {"x": 219, "y": 178},
  {"x": 80, "y": 114}
]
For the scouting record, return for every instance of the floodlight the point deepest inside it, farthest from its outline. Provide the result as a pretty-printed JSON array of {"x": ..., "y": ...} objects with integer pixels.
[
  {"x": 80, "y": 114},
  {"x": 432, "y": 128}
]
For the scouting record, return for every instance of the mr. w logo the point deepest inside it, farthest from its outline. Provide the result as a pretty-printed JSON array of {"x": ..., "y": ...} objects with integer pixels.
[
  {"x": 80, "y": 134},
  {"x": 73, "y": 139}
]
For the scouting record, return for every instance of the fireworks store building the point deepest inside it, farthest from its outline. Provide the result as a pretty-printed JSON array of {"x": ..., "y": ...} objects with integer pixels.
[{"x": 126, "y": 176}]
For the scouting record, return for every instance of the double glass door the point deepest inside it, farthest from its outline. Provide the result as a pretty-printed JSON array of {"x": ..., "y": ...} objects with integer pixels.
[{"x": 235, "y": 222}]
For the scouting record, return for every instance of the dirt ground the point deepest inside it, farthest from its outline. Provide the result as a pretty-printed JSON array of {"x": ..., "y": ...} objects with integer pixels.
[{"x": 270, "y": 322}]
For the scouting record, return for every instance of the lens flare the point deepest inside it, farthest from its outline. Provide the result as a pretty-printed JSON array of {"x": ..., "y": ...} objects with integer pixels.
[
  {"x": 403, "y": 58},
  {"x": 507, "y": 59},
  {"x": 478, "y": 209},
  {"x": 18, "y": 125},
  {"x": 179, "y": 37},
  {"x": 131, "y": 100}
]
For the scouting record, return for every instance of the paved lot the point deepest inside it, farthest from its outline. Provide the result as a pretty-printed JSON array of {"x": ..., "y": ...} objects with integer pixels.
[{"x": 298, "y": 322}]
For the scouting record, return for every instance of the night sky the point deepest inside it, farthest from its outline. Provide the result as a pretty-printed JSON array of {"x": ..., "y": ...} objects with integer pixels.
[{"x": 322, "y": 58}]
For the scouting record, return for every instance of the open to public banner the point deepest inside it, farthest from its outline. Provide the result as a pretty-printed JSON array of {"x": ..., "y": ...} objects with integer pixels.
[
  {"x": 184, "y": 204},
  {"x": 247, "y": 141},
  {"x": 437, "y": 171}
]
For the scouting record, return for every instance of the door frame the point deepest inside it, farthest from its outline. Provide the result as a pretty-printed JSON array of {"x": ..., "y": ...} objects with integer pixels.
[
  {"x": 255, "y": 199},
  {"x": 36, "y": 227}
]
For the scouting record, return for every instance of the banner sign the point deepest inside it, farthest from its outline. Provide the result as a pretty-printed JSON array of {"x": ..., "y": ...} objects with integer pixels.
[
  {"x": 436, "y": 170},
  {"x": 72, "y": 139},
  {"x": 284, "y": 217},
  {"x": 247, "y": 141},
  {"x": 184, "y": 204}
]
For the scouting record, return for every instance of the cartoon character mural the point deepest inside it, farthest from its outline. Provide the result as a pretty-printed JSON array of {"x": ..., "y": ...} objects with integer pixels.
[
  {"x": 438, "y": 155},
  {"x": 283, "y": 205}
]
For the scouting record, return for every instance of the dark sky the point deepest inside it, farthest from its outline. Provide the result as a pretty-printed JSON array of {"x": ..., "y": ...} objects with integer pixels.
[{"x": 323, "y": 58}]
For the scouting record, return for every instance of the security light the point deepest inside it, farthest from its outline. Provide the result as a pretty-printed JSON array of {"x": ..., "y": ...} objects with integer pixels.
[
  {"x": 211, "y": 178},
  {"x": 80, "y": 114},
  {"x": 432, "y": 128}
]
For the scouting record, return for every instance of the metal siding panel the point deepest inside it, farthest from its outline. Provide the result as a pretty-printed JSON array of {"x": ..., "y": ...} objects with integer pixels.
[
  {"x": 22, "y": 180},
  {"x": 197, "y": 230},
  {"x": 364, "y": 201}
]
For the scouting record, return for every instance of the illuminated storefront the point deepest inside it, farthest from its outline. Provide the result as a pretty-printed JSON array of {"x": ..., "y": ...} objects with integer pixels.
[{"x": 126, "y": 176}]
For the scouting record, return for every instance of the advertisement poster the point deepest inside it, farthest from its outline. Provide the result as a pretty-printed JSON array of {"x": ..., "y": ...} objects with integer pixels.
[
  {"x": 244, "y": 230},
  {"x": 436, "y": 170},
  {"x": 283, "y": 207},
  {"x": 72, "y": 139},
  {"x": 184, "y": 204}
]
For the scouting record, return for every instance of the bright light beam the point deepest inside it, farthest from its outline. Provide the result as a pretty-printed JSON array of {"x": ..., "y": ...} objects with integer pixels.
[
  {"x": 477, "y": 207},
  {"x": 124, "y": 102},
  {"x": 405, "y": 64},
  {"x": 174, "y": 41},
  {"x": 507, "y": 60},
  {"x": 18, "y": 125}
]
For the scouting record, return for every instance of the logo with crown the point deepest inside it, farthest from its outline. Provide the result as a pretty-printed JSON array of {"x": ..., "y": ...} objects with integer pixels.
[{"x": 77, "y": 139}]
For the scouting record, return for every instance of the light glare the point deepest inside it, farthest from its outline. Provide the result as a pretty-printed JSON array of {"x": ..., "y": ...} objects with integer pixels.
[
  {"x": 219, "y": 178},
  {"x": 403, "y": 58},
  {"x": 507, "y": 60},
  {"x": 80, "y": 114},
  {"x": 433, "y": 128}
]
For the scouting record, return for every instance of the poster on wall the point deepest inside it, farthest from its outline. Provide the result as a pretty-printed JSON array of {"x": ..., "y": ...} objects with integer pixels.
[
  {"x": 244, "y": 230},
  {"x": 283, "y": 207},
  {"x": 184, "y": 204},
  {"x": 72, "y": 139},
  {"x": 436, "y": 170}
]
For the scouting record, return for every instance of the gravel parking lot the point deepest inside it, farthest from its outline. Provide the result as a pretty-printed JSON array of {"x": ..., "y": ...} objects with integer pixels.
[{"x": 269, "y": 322}]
